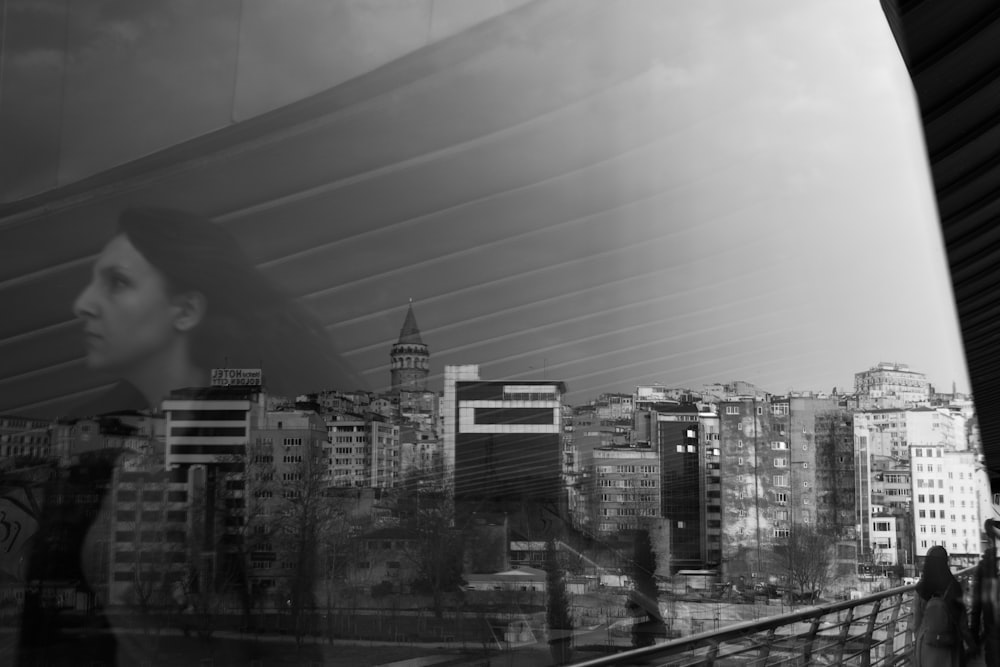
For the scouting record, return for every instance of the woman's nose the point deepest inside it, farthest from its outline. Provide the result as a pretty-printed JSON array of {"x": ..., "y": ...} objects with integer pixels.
[{"x": 84, "y": 305}]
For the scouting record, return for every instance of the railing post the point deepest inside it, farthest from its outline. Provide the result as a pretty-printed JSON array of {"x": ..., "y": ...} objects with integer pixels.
[
  {"x": 766, "y": 649},
  {"x": 807, "y": 649},
  {"x": 845, "y": 632},
  {"x": 866, "y": 656},
  {"x": 893, "y": 622},
  {"x": 711, "y": 654}
]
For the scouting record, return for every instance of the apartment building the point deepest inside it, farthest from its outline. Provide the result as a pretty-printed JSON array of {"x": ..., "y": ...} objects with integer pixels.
[
  {"x": 946, "y": 503},
  {"x": 891, "y": 385},
  {"x": 784, "y": 461},
  {"x": 366, "y": 451}
]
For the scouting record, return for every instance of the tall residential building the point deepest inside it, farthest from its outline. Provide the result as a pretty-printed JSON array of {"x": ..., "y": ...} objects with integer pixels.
[
  {"x": 624, "y": 490},
  {"x": 946, "y": 503},
  {"x": 891, "y": 385},
  {"x": 710, "y": 435},
  {"x": 664, "y": 478},
  {"x": 586, "y": 432},
  {"x": 784, "y": 461},
  {"x": 505, "y": 437},
  {"x": 833, "y": 464},
  {"x": 366, "y": 451},
  {"x": 672, "y": 431}
]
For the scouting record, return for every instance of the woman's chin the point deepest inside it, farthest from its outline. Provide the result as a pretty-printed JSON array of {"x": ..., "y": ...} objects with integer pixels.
[{"x": 100, "y": 363}]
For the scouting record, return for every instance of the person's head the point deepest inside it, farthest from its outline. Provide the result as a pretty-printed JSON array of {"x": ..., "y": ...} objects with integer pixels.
[
  {"x": 936, "y": 557},
  {"x": 936, "y": 575},
  {"x": 134, "y": 309},
  {"x": 173, "y": 288}
]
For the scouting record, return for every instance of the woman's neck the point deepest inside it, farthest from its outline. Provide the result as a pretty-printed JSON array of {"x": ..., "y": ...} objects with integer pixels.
[{"x": 159, "y": 376}]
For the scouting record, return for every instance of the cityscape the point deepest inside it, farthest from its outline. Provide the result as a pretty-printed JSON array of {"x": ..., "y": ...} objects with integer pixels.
[
  {"x": 704, "y": 293},
  {"x": 670, "y": 509}
]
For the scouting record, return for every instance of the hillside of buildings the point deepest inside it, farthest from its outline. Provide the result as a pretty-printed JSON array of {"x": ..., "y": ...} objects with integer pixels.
[{"x": 665, "y": 503}]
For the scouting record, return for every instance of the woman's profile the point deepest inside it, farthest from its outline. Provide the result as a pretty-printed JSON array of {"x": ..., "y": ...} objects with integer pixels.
[
  {"x": 173, "y": 295},
  {"x": 170, "y": 297},
  {"x": 940, "y": 625}
]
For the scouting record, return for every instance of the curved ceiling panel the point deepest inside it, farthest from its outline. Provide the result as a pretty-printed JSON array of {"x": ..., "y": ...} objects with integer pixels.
[{"x": 951, "y": 52}]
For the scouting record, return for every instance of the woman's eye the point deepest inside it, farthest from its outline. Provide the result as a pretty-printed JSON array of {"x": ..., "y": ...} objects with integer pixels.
[{"x": 117, "y": 281}]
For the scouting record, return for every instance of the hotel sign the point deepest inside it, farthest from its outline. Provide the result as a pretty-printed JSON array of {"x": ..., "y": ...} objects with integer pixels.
[{"x": 236, "y": 377}]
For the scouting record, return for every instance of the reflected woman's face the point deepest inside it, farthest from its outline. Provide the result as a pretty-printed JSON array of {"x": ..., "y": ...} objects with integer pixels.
[{"x": 127, "y": 311}]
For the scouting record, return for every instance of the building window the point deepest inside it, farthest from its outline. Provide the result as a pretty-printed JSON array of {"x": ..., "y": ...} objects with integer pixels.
[{"x": 732, "y": 409}]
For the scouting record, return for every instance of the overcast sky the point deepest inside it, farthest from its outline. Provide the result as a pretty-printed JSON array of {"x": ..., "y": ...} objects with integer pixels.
[
  {"x": 797, "y": 242},
  {"x": 802, "y": 241}
]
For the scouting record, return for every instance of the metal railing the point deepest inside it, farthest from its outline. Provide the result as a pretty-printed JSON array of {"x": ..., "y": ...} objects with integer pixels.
[{"x": 872, "y": 631}]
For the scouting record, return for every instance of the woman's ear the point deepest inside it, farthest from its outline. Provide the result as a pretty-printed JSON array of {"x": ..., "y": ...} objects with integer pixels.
[{"x": 191, "y": 307}]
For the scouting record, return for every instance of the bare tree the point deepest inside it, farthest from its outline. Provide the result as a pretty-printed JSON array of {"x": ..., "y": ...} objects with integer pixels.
[
  {"x": 436, "y": 546},
  {"x": 309, "y": 512},
  {"x": 250, "y": 487},
  {"x": 807, "y": 553},
  {"x": 340, "y": 542}
]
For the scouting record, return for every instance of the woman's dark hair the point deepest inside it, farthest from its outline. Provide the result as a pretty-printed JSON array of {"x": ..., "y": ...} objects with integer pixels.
[
  {"x": 937, "y": 578},
  {"x": 248, "y": 322}
]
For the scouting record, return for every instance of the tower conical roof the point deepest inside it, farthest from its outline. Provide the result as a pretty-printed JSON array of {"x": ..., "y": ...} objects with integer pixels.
[{"x": 410, "y": 333}]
